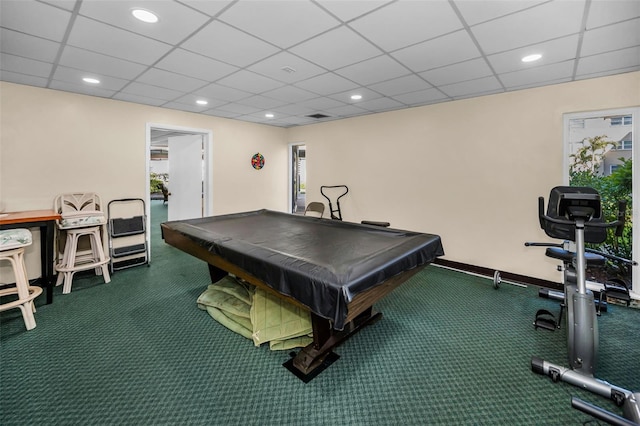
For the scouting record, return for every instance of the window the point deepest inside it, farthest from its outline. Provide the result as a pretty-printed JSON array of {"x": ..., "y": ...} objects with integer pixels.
[
  {"x": 621, "y": 120},
  {"x": 624, "y": 144}
]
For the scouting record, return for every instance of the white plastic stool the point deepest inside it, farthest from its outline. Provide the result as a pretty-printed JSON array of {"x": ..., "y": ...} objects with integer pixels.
[{"x": 12, "y": 244}]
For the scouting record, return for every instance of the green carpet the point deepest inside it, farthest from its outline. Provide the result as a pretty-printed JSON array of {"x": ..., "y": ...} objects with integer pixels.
[{"x": 449, "y": 350}]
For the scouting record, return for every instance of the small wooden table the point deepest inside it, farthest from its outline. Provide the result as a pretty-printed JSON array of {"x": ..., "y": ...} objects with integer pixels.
[{"x": 45, "y": 220}]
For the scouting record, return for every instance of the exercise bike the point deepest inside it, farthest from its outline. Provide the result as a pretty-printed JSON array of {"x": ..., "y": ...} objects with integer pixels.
[{"x": 574, "y": 214}]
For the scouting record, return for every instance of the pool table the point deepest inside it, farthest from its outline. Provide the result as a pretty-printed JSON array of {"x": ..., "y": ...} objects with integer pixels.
[{"x": 336, "y": 270}]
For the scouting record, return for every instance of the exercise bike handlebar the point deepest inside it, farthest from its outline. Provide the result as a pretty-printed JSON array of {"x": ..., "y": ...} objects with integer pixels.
[
  {"x": 618, "y": 224},
  {"x": 346, "y": 189}
]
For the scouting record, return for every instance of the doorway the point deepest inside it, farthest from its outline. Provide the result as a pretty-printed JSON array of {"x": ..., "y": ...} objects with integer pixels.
[
  {"x": 297, "y": 178},
  {"x": 600, "y": 149},
  {"x": 180, "y": 159}
]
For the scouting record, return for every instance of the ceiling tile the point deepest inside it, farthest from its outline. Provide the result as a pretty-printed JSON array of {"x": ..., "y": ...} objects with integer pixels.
[
  {"x": 170, "y": 27},
  {"x": 222, "y": 113},
  {"x": 535, "y": 25},
  {"x": 224, "y": 43},
  {"x": 298, "y": 121},
  {"x": 347, "y": 48},
  {"x": 446, "y": 50},
  {"x": 102, "y": 38},
  {"x": 249, "y": 81},
  {"x": 103, "y": 64},
  {"x": 261, "y": 102},
  {"x": 191, "y": 107},
  {"x": 82, "y": 89},
  {"x": 273, "y": 67},
  {"x": 321, "y": 104},
  {"x": 191, "y": 64},
  {"x": 327, "y": 84},
  {"x": 557, "y": 50},
  {"x": 346, "y": 10},
  {"x": 28, "y": 46},
  {"x": 34, "y": 18},
  {"x": 456, "y": 73},
  {"x": 475, "y": 11},
  {"x": 64, "y": 4},
  {"x": 74, "y": 76},
  {"x": 604, "y": 12},
  {"x": 27, "y": 66},
  {"x": 153, "y": 92},
  {"x": 473, "y": 87},
  {"x": 610, "y": 62},
  {"x": 625, "y": 34},
  {"x": 346, "y": 110},
  {"x": 216, "y": 91},
  {"x": 138, "y": 99},
  {"x": 163, "y": 78},
  {"x": 367, "y": 94},
  {"x": 26, "y": 79},
  {"x": 211, "y": 8},
  {"x": 239, "y": 108},
  {"x": 380, "y": 104},
  {"x": 537, "y": 75},
  {"x": 422, "y": 97},
  {"x": 191, "y": 99},
  {"x": 398, "y": 86},
  {"x": 462, "y": 48},
  {"x": 283, "y": 23},
  {"x": 293, "y": 109},
  {"x": 407, "y": 22},
  {"x": 374, "y": 70},
  {"x": 541, "y": 23},
  {"x": 290, "y": 94}
]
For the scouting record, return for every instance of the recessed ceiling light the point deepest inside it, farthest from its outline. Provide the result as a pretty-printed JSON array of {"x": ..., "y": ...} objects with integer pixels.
[
  {"x": 269, "y": 115},
  {"x": 91, "y": 80},
  {"x": 356, "y": 97},
  {"x": 532, "y": 58},
  {"x": 201, "y": 102},
  {"x": 145, "y": 16}
]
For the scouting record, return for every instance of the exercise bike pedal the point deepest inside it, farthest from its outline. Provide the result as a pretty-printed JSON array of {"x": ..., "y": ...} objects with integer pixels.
[{"x": 546, "y": 320}]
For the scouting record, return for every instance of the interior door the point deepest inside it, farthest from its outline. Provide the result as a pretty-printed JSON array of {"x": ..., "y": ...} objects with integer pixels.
[{"x": 185, "y": 177}]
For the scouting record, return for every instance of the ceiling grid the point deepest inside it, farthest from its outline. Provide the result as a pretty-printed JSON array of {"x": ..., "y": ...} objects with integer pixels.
[{"x": 294, "y": 59}]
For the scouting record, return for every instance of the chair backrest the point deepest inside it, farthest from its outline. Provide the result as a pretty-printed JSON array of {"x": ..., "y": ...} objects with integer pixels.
[
  {"x": 78, "y": 202},
  {"x": 315, "y": 209}
]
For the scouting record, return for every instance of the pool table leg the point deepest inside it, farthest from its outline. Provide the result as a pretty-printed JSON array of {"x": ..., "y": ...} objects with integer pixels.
[{"x": 325, "y": 338}]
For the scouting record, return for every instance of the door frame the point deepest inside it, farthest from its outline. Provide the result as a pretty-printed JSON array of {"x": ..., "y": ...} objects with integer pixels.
[
  {"x": 290, "y": 174},
  {"x": 634, "y": 111},
  {"x": 207, "y": 189}
]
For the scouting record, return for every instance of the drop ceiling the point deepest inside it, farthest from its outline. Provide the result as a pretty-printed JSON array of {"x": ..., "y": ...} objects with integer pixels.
[{"x": 295, "y": 59}]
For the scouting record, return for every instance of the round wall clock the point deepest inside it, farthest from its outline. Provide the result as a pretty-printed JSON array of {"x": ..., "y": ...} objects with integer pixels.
[{"x": 257, "y": 161}]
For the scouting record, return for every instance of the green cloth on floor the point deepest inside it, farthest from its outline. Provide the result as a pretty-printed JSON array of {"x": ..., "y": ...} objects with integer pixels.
[
  {"x": 256, "y": 314},
  {"x": 274, "y": 319},
  {"x": 229, "y": 303}
]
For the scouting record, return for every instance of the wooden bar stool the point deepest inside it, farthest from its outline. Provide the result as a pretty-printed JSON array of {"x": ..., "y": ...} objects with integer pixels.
[
  {"x": 12, "y": 244},
  {"x": 81, "y": 216}
]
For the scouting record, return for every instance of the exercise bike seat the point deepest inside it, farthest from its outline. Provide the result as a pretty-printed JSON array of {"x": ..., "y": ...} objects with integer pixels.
[{"x": 593, "y": 260}]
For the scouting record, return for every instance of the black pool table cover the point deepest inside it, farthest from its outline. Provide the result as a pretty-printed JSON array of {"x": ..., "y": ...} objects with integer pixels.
[{"x": 321, "y": 263}]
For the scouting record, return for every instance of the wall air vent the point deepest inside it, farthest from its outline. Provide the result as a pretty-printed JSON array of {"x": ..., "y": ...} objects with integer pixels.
[{"x": 318, "y": 116}]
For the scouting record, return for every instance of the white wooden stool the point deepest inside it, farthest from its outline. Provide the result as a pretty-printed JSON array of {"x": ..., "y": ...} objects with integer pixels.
[
  {"x": 81, "y": 216},
  {"x": 12, "y": 244}
]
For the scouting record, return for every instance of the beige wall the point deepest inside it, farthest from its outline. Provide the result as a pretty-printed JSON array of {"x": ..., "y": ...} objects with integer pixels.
[
  {"x": 470, "y": 170},
  {"x": 53, "y": 142}
]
